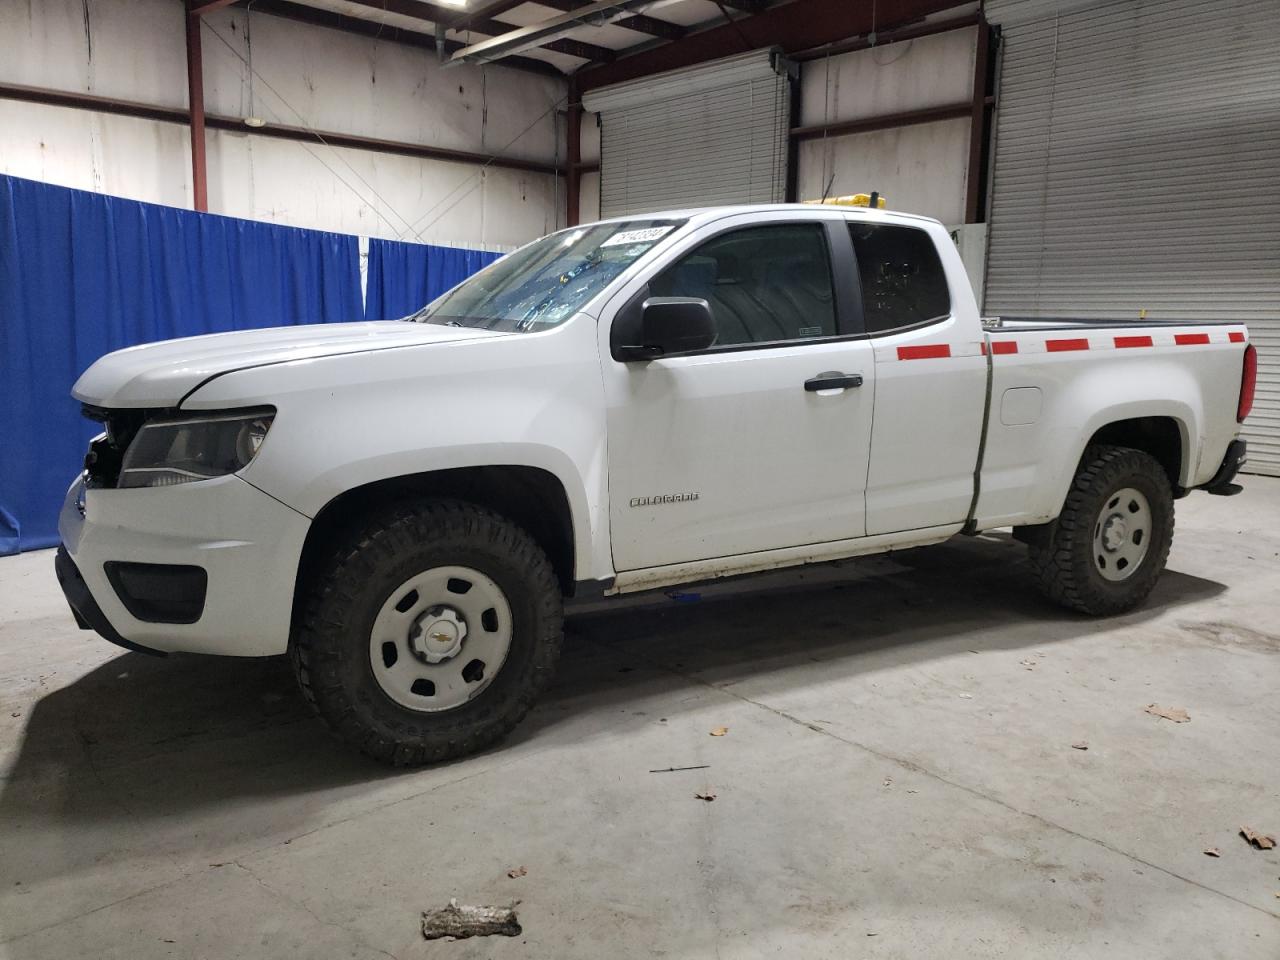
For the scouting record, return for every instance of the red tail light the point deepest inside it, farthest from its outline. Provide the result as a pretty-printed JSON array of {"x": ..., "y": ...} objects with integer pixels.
[{"x": 1248, "y": 380}]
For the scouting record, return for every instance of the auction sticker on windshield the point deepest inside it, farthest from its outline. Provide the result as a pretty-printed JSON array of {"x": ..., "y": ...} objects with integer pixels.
[{"x": 647, "y": 235}]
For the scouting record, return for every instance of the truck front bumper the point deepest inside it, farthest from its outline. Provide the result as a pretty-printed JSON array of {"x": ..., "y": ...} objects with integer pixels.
[{"x": 205, "y": 567}]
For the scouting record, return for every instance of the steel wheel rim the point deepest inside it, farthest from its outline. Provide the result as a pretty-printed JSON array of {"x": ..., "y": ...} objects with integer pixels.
[
  {"x": 1122, "y": 534},
  {"x": 431, "y": 633}
]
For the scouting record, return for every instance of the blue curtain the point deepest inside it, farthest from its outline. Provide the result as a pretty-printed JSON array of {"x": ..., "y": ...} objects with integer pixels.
[
  {"x": 404, "y": 276},
  {"x": 82, "y": 274}
]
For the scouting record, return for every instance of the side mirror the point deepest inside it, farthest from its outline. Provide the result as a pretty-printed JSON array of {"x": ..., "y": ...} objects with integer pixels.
[{"x": 671, "y": 325}]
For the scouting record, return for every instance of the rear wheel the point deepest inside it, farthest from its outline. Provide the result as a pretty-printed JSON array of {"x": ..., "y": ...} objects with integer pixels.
[
  {"x": 429, "y": 634},
  {"x": 1109, "y": 545}
]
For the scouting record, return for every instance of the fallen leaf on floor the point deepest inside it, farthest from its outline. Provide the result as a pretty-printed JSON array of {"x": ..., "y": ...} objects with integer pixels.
[
  {"x": 1082, "y": 745},
  {"x": 1213, "y": 852},
  {"x": 1259, "y": 841},
  {"x": 515, "y": 873},
  {"x": 15, "y": 715},
  {"x": 1176, "y": 714},
  {"x": 719, "y": 731},
  {"x": 704, "y": 796},
  {"x": 461, "y": 922}
]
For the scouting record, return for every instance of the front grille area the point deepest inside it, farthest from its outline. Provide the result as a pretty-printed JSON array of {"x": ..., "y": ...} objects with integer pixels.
[{"x": 106, "y": 454}]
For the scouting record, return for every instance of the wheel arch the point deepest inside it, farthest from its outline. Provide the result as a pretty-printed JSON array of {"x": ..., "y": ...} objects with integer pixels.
[
  {"x": 1164, "y": 437},
  {"x": 532, "y": 497}
]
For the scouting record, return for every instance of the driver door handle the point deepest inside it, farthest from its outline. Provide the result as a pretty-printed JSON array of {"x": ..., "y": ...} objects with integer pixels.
[{"x": 832, "y": 380}]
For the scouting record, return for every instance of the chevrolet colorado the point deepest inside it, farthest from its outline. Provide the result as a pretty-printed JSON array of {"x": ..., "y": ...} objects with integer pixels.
[{"x": 402, "y": 506}]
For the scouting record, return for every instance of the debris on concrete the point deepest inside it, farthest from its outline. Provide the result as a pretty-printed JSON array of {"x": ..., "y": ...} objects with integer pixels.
[
  {"x": 966, "y": 696},
  {"x": 1029, "y": 663},
  {"x": 1259, "y": 841},
  {"x": 515, "y": 873},
  {"x": 1213, "y": 852},
  {"x": 704, "y": 796},
  {"x": 719, "y": 731},
  {"x": 462, "y": 922},
  {"x": 700, "y": 766},
  {"x": 1080, "y": 745},
  {"x": 888, "y": 782},
  {"x": 1176, "y": 714}
]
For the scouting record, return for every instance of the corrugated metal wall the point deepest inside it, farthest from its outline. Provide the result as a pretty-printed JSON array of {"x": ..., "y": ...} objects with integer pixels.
[
  {"x": 705, "y": 135},
  {"x": 1137, "y": 156}
]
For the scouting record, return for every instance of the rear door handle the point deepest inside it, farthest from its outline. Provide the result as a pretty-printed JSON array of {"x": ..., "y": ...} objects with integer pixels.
[{"x": 833, "y": 380}]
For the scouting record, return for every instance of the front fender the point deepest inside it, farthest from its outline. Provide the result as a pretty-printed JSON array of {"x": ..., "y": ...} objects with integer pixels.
[{"x": 533, "y": 400}]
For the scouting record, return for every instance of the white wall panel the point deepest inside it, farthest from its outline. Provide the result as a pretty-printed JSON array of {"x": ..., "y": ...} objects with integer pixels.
[
  {"x": 919, "y": 169},
  {"x": 589, "y": 197},
  {"x": 909, "y": 75},
  {"x": 589, "y": 138},
  {"x": 281, "y": 181},
  {"x": 127, "y": 49},
  {"x": 124, "y": 156}
]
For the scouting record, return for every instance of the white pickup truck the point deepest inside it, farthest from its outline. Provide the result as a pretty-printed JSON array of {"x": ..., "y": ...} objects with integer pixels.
[{"x": 402, "y": 506}]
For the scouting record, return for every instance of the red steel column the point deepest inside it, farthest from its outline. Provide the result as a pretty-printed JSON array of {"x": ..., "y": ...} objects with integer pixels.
[{"x": 195, "y": 97}]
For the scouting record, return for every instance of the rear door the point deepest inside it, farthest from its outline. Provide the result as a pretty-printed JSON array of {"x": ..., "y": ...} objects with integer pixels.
[
  {"x": 931, "y": 375},
  {"x": 733, "y": 450}
]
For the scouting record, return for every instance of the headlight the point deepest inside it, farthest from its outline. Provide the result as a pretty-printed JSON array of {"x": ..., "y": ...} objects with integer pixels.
[{"x": 169, "y": 452}]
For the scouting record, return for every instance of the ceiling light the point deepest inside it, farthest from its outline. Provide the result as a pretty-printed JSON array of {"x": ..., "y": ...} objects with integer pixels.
[{"x": 254, "y": 122}]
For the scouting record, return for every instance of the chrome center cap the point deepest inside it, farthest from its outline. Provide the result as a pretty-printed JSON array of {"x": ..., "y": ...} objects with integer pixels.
[
  {"x": 437, "y": 635},
  {"x": 1115, "y": 533}
]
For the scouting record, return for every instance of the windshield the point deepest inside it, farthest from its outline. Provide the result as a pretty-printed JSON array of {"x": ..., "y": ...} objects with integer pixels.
[{"x": 544, "y": 283}]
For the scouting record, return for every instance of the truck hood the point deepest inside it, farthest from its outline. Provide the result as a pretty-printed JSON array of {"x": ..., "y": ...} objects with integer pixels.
[{"x": 162, "y": 374}]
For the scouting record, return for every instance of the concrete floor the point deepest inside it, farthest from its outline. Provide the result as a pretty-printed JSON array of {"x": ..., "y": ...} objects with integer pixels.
[{"x": 897, "y": 780}]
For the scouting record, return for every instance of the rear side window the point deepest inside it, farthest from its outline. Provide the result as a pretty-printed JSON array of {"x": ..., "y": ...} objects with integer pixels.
[
  {"x": 903, "y": 282},
  {"x": 764, "y": 284}
]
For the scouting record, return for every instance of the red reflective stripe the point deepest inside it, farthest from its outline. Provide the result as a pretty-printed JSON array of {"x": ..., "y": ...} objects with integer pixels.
[
  {"x": 1122, "y": 342},
  {"x": 1236, "y": 337},
  {"x": 1057, "y": 346},
  {"x": 1190, "y": 339},
  {"x": 1004, "y": 346},
  {"x": 983, "y": 347},
  {"x": 928, "y": 351}
]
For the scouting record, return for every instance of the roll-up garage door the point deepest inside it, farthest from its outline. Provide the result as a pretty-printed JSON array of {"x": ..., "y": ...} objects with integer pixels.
[
  {"x": 705, "y": 135},
  {"x": 1137, "y": 154}
]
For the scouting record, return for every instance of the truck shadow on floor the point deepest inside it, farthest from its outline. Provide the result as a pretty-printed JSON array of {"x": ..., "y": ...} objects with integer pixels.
[{"x": 142, "y": 744}]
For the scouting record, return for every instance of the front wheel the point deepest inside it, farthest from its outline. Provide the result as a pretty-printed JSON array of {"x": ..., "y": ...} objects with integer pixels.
[
  {"x": 429, "y": 634},
  {"x": 1109, "y": 545}
]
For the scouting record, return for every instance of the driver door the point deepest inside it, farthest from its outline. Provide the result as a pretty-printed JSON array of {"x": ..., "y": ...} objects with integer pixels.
[{"x": 737, "y": 449}]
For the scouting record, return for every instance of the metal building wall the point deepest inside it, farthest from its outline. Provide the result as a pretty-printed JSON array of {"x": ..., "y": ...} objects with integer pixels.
[
  {"x": 310, "y": 76},
  {"x": 1137, "y": 150}
]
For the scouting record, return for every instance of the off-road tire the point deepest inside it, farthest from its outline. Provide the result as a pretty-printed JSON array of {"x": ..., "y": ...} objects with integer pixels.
[
  {"x": 1063, "y": 562},
  {"x": 330, "y": 648}
]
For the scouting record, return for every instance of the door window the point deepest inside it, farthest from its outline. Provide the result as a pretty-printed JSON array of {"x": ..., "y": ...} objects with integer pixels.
[
  {"x": 764, "y": 284},
  {"x": 903, "y": 282}
]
